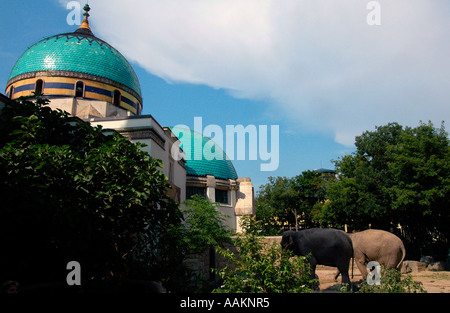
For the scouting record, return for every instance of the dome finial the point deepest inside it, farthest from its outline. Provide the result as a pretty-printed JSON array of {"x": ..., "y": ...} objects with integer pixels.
[
  {"x": 86, "y": 9},
  {"x": 85, "y": 24}
]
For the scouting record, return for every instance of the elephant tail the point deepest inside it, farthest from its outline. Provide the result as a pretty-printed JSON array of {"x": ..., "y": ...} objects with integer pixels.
[
  {"x": 353, "y": 254},
  {"x": 353, "y": 259},
  {"x": 399, "y": 265}
]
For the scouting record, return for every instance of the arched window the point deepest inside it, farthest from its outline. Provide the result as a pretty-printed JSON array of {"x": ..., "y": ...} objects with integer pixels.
[
  {"x": 138, "y": 109},
  {"x": 11, "y": 92},
  {"x": 39, "y": 87},
  {"x": 117, "y": 97},
  {"x": 79, "y": 89}
]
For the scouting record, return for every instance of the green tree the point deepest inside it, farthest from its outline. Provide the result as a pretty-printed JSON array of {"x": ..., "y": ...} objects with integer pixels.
[
  {"x": 310, "y": 188},
  {"x": 289, "y": 202},
  {"x": 205, "y": 225},
  {"x": 420, "y": 168},
  {"x": 69, "y": 192},
  {"x": 396, "y": 176},
  {"x": 275, "y": 205},
  {"x": 203, "y": 231}
]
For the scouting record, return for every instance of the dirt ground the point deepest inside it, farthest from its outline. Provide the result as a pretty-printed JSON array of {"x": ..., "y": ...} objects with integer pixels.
[{"x": 433, "y": 282}]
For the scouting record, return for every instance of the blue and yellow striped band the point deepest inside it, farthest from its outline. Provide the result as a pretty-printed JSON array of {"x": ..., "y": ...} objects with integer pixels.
[{"x": 65, "y": 86}]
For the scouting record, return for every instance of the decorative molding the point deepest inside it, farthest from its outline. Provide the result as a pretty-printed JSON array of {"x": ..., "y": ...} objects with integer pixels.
[
  {"x": 72, "y": 74},
  {"x": 139, "y": 133}
]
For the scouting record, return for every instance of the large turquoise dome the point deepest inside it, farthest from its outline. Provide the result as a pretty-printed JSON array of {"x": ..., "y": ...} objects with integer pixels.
[
  {"x": 201, "y": 161},
  {"x": 78, "y": 52}
]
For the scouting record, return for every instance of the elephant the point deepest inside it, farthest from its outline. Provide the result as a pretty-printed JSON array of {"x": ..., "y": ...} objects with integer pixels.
[
  {"x": 327, "y": 246},
  {"x": 377, "y": 245}
]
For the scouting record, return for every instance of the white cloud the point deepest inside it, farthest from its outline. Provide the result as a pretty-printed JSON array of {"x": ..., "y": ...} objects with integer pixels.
[{"x": 317, "y": 60}]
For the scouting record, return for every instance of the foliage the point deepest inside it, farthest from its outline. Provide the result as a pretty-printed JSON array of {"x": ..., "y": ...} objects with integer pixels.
[
  {"x": 69, "y": 192},
  {"x": 396, "y": 176},
  {"x": 273, "y": 204},
  {"x": 204, "y": 224},
  {"x": 202, "y": 231},
  {"x": 290, "y": 202},
  {"x": 259, "y": 267},
  {"x": 391, "y": 281}
]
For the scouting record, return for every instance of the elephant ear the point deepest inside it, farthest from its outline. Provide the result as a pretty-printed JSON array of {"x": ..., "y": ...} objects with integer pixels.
[
  {"x": 286, "y": 240},
  {"x": 291, "y": 240}
]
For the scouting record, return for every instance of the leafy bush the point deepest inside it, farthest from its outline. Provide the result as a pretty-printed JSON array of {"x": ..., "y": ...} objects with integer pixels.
[
  {"x": 70, "y": 192},
  {"x": 392, "y": 282},
  {"x": 202, "y": 231},
  {"x": 204, "y": 225},
  {"x": 260, "y": 267}
]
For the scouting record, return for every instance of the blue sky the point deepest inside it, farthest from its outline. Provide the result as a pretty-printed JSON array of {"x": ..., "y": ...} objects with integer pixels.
[{"x": 315, "y": 68}]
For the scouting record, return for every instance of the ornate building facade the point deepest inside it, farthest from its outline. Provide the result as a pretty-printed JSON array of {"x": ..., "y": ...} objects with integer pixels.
[{"x": 85, "y": 76}]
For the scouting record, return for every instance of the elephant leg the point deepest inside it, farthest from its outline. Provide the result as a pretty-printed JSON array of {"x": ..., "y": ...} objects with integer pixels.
[
  {"x": 338, "y": 272},
  {"x": 313, "y": 264},
  {"x": 362, "y": 267},
  {"x": 343, "y": 269},
  {"x": 345, "y": 279}
]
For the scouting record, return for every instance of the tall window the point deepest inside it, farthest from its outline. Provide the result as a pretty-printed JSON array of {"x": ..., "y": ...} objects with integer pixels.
[
  {"x": 39, "y": 86},
  {"x": 116, "y": 97},
  {"x": 11, "y": 92},
  {"x": 79, "y": 89}
]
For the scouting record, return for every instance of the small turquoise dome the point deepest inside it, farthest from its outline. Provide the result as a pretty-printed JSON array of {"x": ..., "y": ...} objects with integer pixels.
[
  {"x": 79, "y": 52},
  {"x": 201, "y": 161}
]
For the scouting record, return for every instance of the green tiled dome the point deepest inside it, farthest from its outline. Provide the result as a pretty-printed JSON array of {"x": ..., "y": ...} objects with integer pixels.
[
  {"x": 81, "y": 53},
  {"x": 200, "y": 162}
]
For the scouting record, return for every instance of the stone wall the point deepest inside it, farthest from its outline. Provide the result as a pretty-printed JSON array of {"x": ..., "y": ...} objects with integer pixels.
[
  {"x": 199, "y": 263},
  {"x": 202, "y": 263}
]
